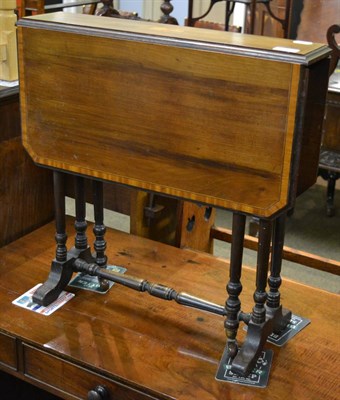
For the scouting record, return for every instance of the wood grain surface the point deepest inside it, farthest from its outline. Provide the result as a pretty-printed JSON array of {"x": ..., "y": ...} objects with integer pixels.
[
  {"x": 159, "y": 347},
  {"x": 207, "y": 126},
  {"x": 241, "y": 44}
]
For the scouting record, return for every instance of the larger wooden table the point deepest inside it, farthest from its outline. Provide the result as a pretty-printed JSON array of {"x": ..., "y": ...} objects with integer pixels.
[{"x": 143, "y": 348}]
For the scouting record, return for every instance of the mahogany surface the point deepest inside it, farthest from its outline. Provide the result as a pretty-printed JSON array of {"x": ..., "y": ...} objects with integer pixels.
[
  {"x": 157, "y": 348},
  {"x": 233, "y": 143}
]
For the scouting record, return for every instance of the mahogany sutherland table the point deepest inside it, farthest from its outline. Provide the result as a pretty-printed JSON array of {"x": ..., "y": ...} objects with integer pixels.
[
  {"x": 141, "y": 347},
  {"x": 231, "y": 121}
]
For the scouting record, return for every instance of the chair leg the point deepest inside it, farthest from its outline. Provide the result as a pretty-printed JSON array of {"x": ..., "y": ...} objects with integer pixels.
[
  {"x": 99, "y": 227},
  {"x": 254, "y": 227},
  {"x": 331, "y": 177},
  {"x": 260, "y": 296},
  {"x": 330, "y": 210}
]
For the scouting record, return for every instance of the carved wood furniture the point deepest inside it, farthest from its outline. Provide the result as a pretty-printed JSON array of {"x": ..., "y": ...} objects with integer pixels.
[
  {"x": 142, "y": 348},
  {"x": 219, "y": 145},
  {"x": 90, "y": 7}
]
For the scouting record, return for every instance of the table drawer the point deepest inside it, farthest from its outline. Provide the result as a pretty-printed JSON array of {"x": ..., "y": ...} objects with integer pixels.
[
  {"x": 70, "y": 378},
  {"x": 8, "y": 352}
]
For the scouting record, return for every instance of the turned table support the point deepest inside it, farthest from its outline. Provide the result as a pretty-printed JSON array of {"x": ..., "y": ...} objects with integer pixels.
[
  {"x": 234, "y": 287},
  {"x": 80, "y": 224},
  {"x": 8, "y": 41}
]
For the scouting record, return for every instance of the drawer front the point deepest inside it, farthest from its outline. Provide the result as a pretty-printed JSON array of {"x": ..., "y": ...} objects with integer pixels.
[
  {"x": 70, "y": 378},
  {"x": 8, "y": 352}
]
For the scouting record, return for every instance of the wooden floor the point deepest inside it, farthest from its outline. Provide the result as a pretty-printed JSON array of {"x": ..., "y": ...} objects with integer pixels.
[{"x": 158, "y": 347}]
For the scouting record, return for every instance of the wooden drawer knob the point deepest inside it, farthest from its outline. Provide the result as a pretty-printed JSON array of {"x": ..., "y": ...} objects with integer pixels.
[{"x": 98, "y": 393}]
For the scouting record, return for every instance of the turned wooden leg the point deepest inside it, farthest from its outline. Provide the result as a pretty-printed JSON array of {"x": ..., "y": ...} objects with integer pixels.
[
  {"x": 234, "y": 286},
  {"x": 99, "y": 230},
  {"x": 258, "y": 327},
  {"x": 281, "y": 316},
  {"x": 59, "y": 203},
  {"x": 330, "y": 194},
  {"x": 260, "y": 295},
  {"x": 166, "y": 18},
  {"x": 61, "y": 268},
  {"x": 274, "y": 280},
  {"x": 99, "y": 227},
  {"x": 80, "y": 224}
]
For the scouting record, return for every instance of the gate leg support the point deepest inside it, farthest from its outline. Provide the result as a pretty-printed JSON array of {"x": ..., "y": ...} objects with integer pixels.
[
  {"x": 259, "y": 327},
  {"x": 281, "y": 316}
]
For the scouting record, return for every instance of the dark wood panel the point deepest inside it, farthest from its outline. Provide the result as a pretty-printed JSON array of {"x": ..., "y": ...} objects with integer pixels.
[
  {"x": 9, "y": 117},
  {"x": 264, "y": 23},
  {"x": 312, "y": 120},
  {"x": 26, "y": 194},
  {"x": 8, "y": 354},
  {"x": 331, "y": 128}
]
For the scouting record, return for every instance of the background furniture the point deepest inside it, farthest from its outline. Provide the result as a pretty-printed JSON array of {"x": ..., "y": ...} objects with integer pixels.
[
  {"x": 90, "y": 7},
  {"x": 329, "y": 165},
  {"x": 258, "y": 12},
  {"x": 26, "y": 191}
]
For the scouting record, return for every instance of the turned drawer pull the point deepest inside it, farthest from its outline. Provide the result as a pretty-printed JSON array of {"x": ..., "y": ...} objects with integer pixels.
[{"x": 98, "y": 393}]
